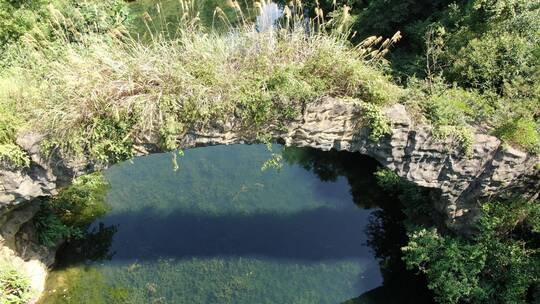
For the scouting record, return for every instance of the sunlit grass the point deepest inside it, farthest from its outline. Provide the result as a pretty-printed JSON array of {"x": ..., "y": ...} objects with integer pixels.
[{"x": 104, "y": 93}]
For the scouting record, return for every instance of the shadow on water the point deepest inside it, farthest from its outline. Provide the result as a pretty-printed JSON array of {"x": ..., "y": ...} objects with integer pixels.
[
  {"x": 306, "y": 236},
  {"x": 320, "y": 234}
]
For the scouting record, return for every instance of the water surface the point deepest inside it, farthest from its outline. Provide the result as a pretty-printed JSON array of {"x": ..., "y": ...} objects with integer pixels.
[{"x": 221, "y": 230}]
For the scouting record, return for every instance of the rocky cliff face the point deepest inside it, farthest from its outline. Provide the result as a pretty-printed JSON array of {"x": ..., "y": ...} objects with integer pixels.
[{"x": 411, "y": 151}]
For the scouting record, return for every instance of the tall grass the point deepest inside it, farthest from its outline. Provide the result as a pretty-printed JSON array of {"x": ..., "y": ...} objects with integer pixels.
[{"x": 102, "y": 93}]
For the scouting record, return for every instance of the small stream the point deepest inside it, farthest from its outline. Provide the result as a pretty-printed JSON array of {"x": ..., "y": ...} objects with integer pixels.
[{"x": 221, "y": 230}]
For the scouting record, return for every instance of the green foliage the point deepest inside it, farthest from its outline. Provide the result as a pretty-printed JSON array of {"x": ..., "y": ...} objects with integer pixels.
[
  {"x": 69, "y": 213},
  {"x": 14, "y": 286},
  {"x": 454, "y": 106},
  {"x": 55, "y": 20},
  {"x": 452, "y": 266},
  {"x": 415, "y": 200},
  {"x": 50, "y": 229},
  {"x": 84, "y": 201},
  {"x": 342, "y": 74},
  {"x": 451, "y": 110},
  {"x": 492, "y": 61},
  {"x": 388, "y": 180},
  {"x": 499, "y": 265},
  {"x": 462, "y": 134},
  {"x": 522, "y": 132},
  {"x": 13, "y": 156},
  {"x": 104, "y": 139},
  {"x": 376, "y": 121}
]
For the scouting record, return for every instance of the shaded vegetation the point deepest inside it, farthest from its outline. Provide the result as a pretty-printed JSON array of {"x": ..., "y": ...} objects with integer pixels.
[
  {"x": 67, "y": 215},
  {"x": 499, "y": 264}
]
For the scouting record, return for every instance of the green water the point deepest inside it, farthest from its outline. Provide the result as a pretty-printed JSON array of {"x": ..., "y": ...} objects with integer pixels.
[
  {"x": 166, "y": 16},
  {"x": 221, "y": 230}
]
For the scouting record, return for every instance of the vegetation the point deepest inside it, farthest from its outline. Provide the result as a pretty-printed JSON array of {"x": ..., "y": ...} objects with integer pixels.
[
  {"x": 96, "y": 77},
  {"x": 499, "y": 264},
  {"x": 97, "y": 95},
  {"x": 14, "y": 287},
  {"x": 67, "y": 215},
  {"x": 485, "y": 49}
]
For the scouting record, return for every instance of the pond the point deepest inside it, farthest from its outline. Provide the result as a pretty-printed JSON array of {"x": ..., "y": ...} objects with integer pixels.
[{"x": 316, "y": 229}]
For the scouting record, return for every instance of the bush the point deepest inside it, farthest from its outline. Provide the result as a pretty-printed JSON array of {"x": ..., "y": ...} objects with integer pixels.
[
  {"x": 499, "y": 265},
  {"x": 452, "y": 266},
  {"x": 11, "y": 155},
  {"x": 50, "y": 229},
  {"x": 522, "y": 132},
  {"x": 461, "y": 134},
  {"x": 389, "y": 181},
  {"x": 490, "y": 62},
  {"x": 451, "y": 110},
  {"x": 69, "y": 213},
  {"x": 415, "y": 200},
  {"x": 14, "y": 287},
  {"x": 84, "y": 201},
  {"x": 376, "y": 121},
  {"x": 55, "y": 20}
]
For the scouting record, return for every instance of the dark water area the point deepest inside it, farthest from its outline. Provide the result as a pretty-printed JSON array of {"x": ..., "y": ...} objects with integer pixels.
[{"x": 318, "y": 229}]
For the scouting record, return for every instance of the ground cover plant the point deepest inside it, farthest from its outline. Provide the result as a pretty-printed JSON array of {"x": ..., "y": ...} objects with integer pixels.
[{"x": 14, "y": 286}]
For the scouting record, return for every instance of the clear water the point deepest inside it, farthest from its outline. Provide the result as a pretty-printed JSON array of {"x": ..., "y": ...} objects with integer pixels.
[{"x": 221, "y": 230}]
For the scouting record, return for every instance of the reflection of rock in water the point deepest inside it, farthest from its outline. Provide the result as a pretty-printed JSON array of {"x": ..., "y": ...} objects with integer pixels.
[
  {"x": 270, "y": 13},
  {"x": 386, "y": 235},
  {"x": 399, "y": 293},
  {"x": 329, "y": 165},
  {"x": 385, "y": 231}
]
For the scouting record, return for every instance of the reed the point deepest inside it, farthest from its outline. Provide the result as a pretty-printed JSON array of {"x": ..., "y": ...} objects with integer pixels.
[{"x": 98, "y": 94}]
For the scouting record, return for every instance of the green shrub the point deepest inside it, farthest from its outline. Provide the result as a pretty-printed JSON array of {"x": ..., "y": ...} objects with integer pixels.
[
  {"x": 376, "y": 121},
  {"x": 69, "y": 213},
  {"x": 339, "y": 72},
  {"x": 55, "y": 20},
  {"x": 495, "y": 59},
  {"x": 522, "y": 132},
  {"x": 13, "y": 156},
  {"x": 415, "y": 200},
  {"x": 451, "y": 110},
  {"x": 452, "y": 266},
  {"x": 50, "y": 229},
  {"x": 81, "y": 203},
  {"x": 461, "y": 134},
  {"x": 14, "y": 286},
  {"x": 499, "y": 265},
  {"x": 454, "y": 106},
  {"x": 389, "y": 181}
]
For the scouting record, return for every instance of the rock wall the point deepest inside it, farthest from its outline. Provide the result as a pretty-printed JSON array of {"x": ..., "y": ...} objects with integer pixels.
[{"x": 411, "y": 151}]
